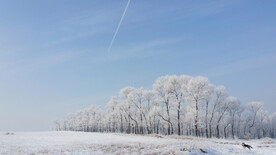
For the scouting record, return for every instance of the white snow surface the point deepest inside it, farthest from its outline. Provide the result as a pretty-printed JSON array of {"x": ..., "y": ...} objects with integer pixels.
[{"x": 83, "y": 143}]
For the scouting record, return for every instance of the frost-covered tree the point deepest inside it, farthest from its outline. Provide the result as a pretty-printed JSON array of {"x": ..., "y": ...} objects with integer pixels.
[
  {"x": 254, "y": 108},
  {"x": 220, "y": 96},
  {"x": 234, "y": 106},
  {"x": 197, "y": 92},
  {"x": 222, "y": 109},
  {"x": 149, "y": 98},
  {"x": 273, "y": 125},
  {"x": 181, "y": 105},
  {"x": 164, "y": 92}
]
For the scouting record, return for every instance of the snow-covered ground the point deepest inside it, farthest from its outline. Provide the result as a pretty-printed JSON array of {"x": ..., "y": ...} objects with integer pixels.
[{"x": 80, "y": 143}]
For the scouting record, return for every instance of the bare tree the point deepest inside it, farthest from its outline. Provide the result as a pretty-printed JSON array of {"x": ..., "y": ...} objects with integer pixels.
[
  {"x": 197, "y": 92},
  {"x": 219, "y": 98},
  {"x": 192, "y": 104},
  {"x": 254, "y": 108},
  {"x": 164, "y": 94}
]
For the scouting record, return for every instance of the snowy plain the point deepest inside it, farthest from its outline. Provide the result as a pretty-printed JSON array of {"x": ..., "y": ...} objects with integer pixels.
[{"x": 83, "y": 143}]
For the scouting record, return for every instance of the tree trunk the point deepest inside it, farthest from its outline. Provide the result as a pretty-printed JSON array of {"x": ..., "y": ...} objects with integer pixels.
[
  {"x": 178, "y": 118},
  {"x": 121, "y": 123},
  {"x": 141, "y": 125},
  {"x": 206, "y": 119},
  {"x": 196, "y": 120},
  {"x": 225, "y": 132},
  {"x": 210, "y": 131},
  {"x": 169, "y": 120},
  {"x": 233, "y": 134},
  {"x": 218, "y": 131}
]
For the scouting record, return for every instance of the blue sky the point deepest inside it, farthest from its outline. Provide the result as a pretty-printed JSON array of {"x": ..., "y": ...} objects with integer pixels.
[{"x": 54, "y": 59}]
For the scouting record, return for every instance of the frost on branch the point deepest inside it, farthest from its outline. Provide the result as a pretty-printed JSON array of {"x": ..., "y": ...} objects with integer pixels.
[{"x": 181, "y": 105}]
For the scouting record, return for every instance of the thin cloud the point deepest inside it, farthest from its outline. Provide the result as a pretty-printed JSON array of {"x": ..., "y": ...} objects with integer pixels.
[
  {"x": 242, "y": 65},
  {"x": 145, "y": 49}
]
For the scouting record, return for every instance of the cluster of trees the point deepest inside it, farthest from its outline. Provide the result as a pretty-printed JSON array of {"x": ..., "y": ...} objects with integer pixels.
[{"x": 182, "y": 105}]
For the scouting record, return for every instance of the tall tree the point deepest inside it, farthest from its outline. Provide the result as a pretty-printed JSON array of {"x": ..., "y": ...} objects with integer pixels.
[
  {"x": 254, "y": 108},
  {"x": 197, "y": 91},
  {"x": 164, "y": 96},
  {"x": 219, "y": 97},
  {"x": 234, "y": 106}
]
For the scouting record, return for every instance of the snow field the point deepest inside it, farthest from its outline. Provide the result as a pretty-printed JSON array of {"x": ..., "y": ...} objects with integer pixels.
[{"x": 83, "y": 143}]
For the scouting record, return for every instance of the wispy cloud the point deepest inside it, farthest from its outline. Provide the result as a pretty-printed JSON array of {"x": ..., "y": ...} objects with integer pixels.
[
  {"x": 138, "y": 50},
  {"x": 242, "y": 65},
  {"x": 46, "y": 51},
  {"x": 81, "y": 25},
  {"x": 17, "y": 65},
  {"x": 145, "y": 10}
]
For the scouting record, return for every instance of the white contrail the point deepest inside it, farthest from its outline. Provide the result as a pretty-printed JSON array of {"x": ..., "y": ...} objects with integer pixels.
[{"x": 122, "y": 18}]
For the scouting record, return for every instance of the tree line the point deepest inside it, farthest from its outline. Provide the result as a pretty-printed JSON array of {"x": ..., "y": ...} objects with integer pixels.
[{"x": 181, "y": 105}]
